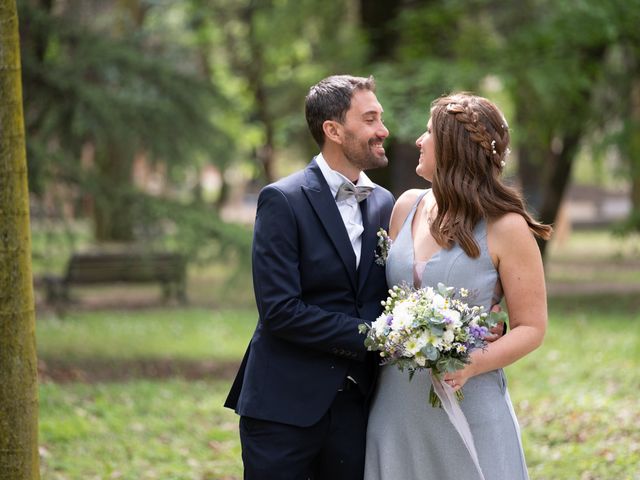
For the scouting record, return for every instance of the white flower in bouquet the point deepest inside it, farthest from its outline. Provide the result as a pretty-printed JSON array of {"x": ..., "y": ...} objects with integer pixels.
[
  {"x": 447, "y": 338},
  {"x": 402, "y": 315},
  {"x": 380, "y": 324},
  {"x": 438, "y": 301}
]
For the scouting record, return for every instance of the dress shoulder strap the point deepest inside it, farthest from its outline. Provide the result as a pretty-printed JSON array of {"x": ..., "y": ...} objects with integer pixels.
[{"x": 412, "y": 212}]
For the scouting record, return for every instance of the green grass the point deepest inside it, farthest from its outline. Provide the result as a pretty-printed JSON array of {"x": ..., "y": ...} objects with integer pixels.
[
  {"x": 575, "y": 396},
  {"x": 141, "y": 430},
  {"x": 145, "y": 428},
  {"x": 173, "y": 333}
]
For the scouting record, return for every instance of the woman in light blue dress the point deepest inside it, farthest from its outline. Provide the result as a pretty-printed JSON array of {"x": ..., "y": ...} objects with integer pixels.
[{"x": 469, "y": 231}]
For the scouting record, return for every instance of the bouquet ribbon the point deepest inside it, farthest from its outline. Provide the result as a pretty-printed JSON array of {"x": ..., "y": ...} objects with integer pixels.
[{"x": 456, "y": 416}]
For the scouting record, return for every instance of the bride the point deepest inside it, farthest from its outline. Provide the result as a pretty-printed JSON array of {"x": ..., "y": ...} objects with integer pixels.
[{"x": 469, "y": 231}]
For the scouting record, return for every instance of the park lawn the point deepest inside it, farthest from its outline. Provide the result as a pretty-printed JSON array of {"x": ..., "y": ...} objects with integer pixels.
[
  {"x": 168, "y": 333},
  {"x": 575, "y": 396},
  {"x": 142, "y": 428},
  {"x": 170, "y": 429}
]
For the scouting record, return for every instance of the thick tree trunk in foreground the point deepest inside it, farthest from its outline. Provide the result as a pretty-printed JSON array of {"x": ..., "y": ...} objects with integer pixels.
[{"x": 18, "y": 364}]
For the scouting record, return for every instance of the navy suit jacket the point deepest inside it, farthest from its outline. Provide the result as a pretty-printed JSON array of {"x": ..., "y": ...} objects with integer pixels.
[{"x": 310, "y": 299}]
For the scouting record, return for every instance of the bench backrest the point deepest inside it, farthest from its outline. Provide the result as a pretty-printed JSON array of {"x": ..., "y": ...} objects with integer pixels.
[{"x": 125, "y": 267}]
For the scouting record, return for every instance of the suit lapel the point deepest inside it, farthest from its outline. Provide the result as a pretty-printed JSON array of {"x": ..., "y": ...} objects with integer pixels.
[
  {"x": 371, "y": 223},
  {"x": 319, "y": 195}
]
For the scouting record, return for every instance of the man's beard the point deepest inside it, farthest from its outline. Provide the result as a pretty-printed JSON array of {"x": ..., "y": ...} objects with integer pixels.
[{"x": 361, "y": 155}]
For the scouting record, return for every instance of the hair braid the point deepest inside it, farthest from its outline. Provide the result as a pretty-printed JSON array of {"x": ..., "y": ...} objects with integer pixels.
[{"x": 494, "y": 144}]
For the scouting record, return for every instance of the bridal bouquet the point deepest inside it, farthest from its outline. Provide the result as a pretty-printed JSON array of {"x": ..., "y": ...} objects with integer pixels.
[{"x": 429, "y": 329}]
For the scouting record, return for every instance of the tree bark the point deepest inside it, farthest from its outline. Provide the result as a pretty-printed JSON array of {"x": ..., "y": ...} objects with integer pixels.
[
  {"x": 256, "y": 72},
  {"x": 112, "y": 202},
  {"x": 531, "y": 151},
  {"x": 558, "y": 180},
  {"x": 135, "y": 10},
  {"x": 376, "y": 18},
  {"x": 545, "y": 182},
  {"x": 18, "y": 362}
]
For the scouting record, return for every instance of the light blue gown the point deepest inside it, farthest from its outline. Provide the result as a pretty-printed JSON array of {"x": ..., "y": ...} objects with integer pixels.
[{"x": 409, "y": 439}]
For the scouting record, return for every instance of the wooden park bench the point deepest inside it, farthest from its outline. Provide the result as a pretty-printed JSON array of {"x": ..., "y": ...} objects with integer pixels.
[{"x": 167, "y": 269}]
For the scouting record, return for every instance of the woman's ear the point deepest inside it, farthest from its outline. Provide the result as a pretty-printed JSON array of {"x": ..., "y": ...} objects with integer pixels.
[{"x": 332, "y": 131}]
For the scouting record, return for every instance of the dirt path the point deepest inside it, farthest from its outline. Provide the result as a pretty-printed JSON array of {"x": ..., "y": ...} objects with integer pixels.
[{"x": 100, "y": 371}]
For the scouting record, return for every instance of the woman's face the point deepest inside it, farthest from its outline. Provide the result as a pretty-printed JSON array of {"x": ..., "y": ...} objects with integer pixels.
[{"x": 427, "y": 161}]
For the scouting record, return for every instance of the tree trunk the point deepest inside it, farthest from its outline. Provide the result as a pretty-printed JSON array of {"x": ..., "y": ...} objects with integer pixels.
[
  {"x": 530, "y": 175},
  {"x": 112, "y": 203},
  {"x": 135, "y": 10},
  {"x": 256, "y": 72},
  {"x": 531, "y": 151},
  {"x": 377, "y": 21},
  {"x": 545, "y": 160},
  {"x": 557, "y": 182},
  {"x": 18, "y": 362}
]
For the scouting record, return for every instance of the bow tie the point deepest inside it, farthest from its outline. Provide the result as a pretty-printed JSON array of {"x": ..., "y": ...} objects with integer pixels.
[{"x": 348, "y": 189}]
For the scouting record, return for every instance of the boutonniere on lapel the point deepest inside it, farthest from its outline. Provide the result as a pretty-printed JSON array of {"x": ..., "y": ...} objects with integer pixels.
[{"x": 382, "y": 248}]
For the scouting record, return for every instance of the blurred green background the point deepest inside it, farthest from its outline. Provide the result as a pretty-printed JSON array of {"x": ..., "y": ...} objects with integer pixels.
[{"x": 155, "y": 123}]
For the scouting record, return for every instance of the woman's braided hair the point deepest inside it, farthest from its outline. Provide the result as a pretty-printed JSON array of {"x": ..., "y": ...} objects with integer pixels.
[
  {"x": 471, "y": 145},
  {"x": 491, "y": 140}
]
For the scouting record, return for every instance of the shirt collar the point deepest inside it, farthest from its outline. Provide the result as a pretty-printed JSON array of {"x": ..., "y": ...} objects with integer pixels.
[{"x": 335, "y": 179}]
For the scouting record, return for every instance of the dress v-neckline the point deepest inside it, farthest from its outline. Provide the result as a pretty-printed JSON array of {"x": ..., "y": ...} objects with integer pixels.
[
  {"x": 417, "y": 276},
  {"x": 413, "y": 244}
]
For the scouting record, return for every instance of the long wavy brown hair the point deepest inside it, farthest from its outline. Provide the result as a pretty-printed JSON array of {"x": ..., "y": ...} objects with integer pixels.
[{"x": 471, "y": 138}]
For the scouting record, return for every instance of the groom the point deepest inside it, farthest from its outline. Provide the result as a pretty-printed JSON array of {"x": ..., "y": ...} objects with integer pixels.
[{"x": 303, "y": 385}]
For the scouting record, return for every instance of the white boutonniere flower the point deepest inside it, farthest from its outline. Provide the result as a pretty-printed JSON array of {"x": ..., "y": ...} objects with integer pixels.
[{"x": 382, "y": 248}]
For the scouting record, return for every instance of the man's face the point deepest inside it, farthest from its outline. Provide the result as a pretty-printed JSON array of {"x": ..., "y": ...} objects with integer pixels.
[{"x": 364, "y": 132}]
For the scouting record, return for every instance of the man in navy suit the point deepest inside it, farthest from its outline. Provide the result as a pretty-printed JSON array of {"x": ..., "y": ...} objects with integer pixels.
[{"x": 303, "y": 384}]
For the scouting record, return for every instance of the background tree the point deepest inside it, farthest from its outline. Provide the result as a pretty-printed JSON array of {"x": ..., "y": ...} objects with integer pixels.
[
  {"x": 98, "y": 96},
  {"x": 267, "y": 54},
  {"x": 621, "y": 133},
  {"x": 18, "y": 364},
  {"x": 184, "y": 85},
  {"x": 563, "y": 49},
  {"x": 545, "y": 63},
  {"x": 419, "y": 51}
]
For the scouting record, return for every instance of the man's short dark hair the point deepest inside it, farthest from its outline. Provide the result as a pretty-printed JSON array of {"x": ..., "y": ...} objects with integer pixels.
[{"x": 330, "y": 99}]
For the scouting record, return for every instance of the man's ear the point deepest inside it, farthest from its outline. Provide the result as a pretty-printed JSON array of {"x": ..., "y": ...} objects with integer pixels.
[{"x": 332, "y": 131}]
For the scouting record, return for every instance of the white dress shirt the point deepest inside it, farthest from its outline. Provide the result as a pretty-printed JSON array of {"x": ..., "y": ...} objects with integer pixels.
[{"x": 349, "y": 208}]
